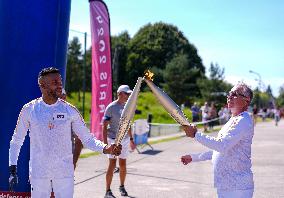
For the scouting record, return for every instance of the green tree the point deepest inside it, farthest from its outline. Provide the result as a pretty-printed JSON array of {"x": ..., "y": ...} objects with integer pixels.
[
  {"x": 119, "y": 47},
  {"x": 216, "y": 72},
  {"x": 280, "y": 98},
  {"x": 269, "y": 90},
  {"x": 214, "y": 88},
  {"x": 153, "y": 46},
  {"x": 256, "y": 98},
  {"x": 89, "y": 69},
  {"x": 261, "y": 99},
  {"x": 74, "y": 66},
  {"x": 272, "y": 100},
  {"x": 180, "y": 79},
  {"x": 264, "y": 100}
]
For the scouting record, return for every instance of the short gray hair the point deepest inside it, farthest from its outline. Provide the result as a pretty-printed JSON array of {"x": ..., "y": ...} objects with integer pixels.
[{"x": 245, "y": 90}]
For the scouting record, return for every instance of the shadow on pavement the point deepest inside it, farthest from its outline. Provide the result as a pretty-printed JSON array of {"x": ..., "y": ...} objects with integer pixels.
[
  {"x": 170, "y": 179},
  {"x": 151, "y": 152}
]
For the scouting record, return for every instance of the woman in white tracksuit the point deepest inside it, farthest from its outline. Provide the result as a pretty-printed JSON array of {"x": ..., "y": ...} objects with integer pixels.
[
  {"x": 230, "y": 152},
  {"x": 50, "y": 121}
]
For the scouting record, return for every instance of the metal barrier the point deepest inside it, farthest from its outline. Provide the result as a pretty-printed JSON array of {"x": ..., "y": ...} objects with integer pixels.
[{"x": 160, "y": 129}]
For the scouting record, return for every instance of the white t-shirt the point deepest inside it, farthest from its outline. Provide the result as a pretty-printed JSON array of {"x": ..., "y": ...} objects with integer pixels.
[
  {"x": 49, "y": 129},
  {"x": 113, "y": 113},
  {"x": 276, "y": 112}
]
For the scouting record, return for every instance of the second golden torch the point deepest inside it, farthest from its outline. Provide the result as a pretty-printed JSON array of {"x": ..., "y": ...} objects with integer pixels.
[
  {"x": 171, "y": 107},
  {"x": 128, "y": 113}
]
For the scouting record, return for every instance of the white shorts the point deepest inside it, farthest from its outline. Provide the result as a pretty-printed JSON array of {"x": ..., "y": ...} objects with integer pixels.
[
  {"x": 235, "y": 193},
  {"x": 124, "y": 151},
  {"x": 62, "y": 188}
]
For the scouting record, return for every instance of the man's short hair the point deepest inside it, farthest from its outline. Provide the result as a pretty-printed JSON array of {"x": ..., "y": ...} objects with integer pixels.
[{"x": 48, "y": 70}]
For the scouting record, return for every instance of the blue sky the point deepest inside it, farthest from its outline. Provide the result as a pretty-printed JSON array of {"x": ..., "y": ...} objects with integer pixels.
[{"x": 238, "y": 35}]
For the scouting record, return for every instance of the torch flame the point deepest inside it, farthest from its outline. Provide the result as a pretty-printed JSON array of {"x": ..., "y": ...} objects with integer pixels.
[{"x": 148, "y": 75}]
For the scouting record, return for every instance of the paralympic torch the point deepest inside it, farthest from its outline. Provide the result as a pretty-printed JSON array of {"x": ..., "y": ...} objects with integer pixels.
[
  {"x": 171, "y": 107},
  {"x": 128, "y": 112}
]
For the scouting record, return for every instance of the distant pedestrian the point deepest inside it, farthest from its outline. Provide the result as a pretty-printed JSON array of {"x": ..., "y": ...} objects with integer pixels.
[
  {"x": 221, "y": 115},
  {"x": 255, "y": 113},
  {"x": 212, "y": 114},
  {"x": 195, "y": 111},
  {"x": 276, "y": 115},
  {"x": 205, "y": 115}
]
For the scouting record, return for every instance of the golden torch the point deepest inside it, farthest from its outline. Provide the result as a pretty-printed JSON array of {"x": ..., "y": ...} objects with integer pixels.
[
  {"x": 171, "y": 107},
  {"x": 128, "y": 112}
]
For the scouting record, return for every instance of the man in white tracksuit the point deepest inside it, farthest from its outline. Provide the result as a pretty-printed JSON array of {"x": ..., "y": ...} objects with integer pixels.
[
  {"x": 230, "y": 151},
  {"x": 50, "y": 121}
]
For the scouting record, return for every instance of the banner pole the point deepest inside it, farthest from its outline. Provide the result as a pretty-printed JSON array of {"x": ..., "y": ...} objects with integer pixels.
[{"x": 84, "y": 72}]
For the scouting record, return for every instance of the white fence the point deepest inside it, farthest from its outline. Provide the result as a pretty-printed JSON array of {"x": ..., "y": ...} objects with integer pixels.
[{"x": 158, "y": 129}]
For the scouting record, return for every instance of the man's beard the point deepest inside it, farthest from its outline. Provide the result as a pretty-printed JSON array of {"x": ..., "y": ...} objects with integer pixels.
[{"x": 53, "y": 94}]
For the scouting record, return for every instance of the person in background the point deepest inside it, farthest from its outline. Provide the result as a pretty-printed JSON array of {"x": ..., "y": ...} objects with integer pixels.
[
  {"x": 255, "y": 113},
  {"x": 205, "y": 115},
  {"x": 221, "y": 115},
  {"x": 63, "y": 95},
  {"x": 212, "y": 114},
  {"x": 276, "y": 115},
  {"x": 110, "y": 128},
  {"x": 195, "y": 112},
  {"x": 264, "y": 115},
  {"x": 227, "y": 113}
]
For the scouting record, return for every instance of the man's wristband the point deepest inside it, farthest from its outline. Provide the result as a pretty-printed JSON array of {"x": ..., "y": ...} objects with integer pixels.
[
  {"x": 104, "y": 149},
  {"x": 131, "y": 138},
  {"x": 13, "y": 169}
]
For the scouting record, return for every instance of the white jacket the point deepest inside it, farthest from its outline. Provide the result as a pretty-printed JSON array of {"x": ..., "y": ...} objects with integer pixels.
[
  {"x": 50, "y": 138},
  {"x": 230, "y": 154}
]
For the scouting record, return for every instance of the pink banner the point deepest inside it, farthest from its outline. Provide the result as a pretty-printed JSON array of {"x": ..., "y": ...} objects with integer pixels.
[{"x": 101, "y": 65}]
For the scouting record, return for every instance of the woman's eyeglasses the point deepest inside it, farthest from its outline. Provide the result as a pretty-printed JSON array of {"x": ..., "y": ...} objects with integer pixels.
[{"x": 234, "y": 94}]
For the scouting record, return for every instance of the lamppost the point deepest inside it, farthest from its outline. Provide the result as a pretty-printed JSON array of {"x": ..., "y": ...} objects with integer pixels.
[
  {"x": 115, "y": 68},
  {"x": 259, "y": 79},
  {"x": 262, "y": 86},
  {"x": 259, "y": 84}
]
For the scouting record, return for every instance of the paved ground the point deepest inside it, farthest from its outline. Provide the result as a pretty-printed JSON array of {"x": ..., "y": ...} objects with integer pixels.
[{"x": 159, "y": 173}]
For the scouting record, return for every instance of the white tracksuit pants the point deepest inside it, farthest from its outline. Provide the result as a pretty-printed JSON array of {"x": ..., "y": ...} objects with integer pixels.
[{"x": 235, "y": 193}]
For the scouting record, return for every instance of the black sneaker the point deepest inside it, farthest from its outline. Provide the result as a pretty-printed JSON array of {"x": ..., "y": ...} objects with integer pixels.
[
  {"x": 116, "y": 170},
  {"x": 123, "y": 191},
  {"x": 109, "y": 194}
]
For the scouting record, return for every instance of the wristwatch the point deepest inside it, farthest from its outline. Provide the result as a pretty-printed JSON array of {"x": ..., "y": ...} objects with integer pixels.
[{"x": 131, "y": 138}]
